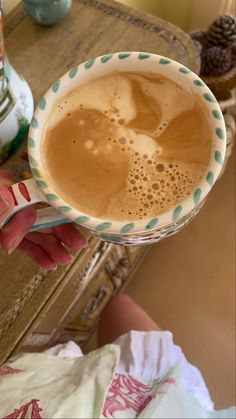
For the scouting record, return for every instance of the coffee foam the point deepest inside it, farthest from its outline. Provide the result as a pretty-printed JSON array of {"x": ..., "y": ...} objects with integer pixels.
[{"x": 127, "y": 146}]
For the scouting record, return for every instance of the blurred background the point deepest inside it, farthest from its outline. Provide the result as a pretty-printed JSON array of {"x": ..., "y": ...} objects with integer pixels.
[{"x": 188, "y": 14}]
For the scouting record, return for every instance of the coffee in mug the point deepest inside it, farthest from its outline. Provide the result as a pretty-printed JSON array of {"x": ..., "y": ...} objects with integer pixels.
[{"x": 127, "y": 145}]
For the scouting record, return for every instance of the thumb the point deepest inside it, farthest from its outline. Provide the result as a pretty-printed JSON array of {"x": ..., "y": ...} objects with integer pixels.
[{"x": 6, "y": 202}]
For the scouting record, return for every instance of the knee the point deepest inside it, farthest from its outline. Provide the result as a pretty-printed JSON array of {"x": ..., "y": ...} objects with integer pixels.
[
  {"x": 121, "y": 299},
  {"x": 118, "y": 302}
]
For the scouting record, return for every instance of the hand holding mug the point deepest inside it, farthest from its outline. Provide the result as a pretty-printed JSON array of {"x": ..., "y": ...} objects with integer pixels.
[{"x": 46, "y": 248}]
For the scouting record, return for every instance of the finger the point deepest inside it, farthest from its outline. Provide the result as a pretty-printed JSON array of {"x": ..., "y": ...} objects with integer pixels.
[
  {"x": 47, "y": 230},
  {"x": 52, "y": 245},
  {"x": 37, "y": 254},
  {"x": 6, "y": 203},
  {"x": 6, "y": 179},
  {"x": 16, "y": 229},
  {"x": 69, "y": 235}
]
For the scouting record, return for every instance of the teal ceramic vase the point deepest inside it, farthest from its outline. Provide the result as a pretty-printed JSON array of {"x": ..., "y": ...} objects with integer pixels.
[
  {"x": 16, "y": 104},
  {"x": 47, "y": 12}
]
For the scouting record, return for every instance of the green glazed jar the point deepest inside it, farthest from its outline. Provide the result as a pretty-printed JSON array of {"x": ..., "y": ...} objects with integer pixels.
[
  {"x": 47, "y": 12},
  {"x": 16, "y": 104}
]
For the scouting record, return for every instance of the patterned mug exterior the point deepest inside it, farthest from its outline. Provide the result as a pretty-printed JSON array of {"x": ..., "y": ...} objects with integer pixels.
[
  {"x": 142, "y": 231},
  {"x": 16, "y": 104}
]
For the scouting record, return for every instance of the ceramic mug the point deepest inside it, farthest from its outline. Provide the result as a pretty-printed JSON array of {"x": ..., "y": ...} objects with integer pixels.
[{"x": 147, "y": 230}]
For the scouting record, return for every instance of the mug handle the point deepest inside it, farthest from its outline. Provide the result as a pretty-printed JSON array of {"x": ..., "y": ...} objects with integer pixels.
[{"x": 26, "y": 193}]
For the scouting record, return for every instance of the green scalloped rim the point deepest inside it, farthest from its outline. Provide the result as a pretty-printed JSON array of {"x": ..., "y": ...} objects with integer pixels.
[
  {"x": 42, "y": 103},
  {"x": 72, "y": 73},
  {"x": 31, "y": 142},
  {"x": 64, "y": 208},
  {"x": 176, "y": 213},
  {"x": 123, "y": 55},
  {"x": 210, "y": 178},
  {"x": 143, "y": 56},
  {"x": 51, "y": 197},
  {"x": 164, "y": 61},
  {"x": 184, "y": 70},
  {"x": 217, "y": 114},
  {"x": 220, "y": 133},
  {"x": 210, "y": 98},
  {"x": 152, "y": 223},
  {"x": 106, "y": 58},
  {"x": 89, "y": 63},
  {"x": 32, "y": 161},
  {"x": 199, "y": 83},
  {"x": 41, "y": 184},
  {"x": 82, "y": 219},
  {"x": 104, "y": 226},
  {"x": 218, "y": 157},
  {"x": 127, "y": 228},
  {"x": 55, "y": 86},
  {"x": 197, "y": 196},
  {"x": 34, "y": 122}
]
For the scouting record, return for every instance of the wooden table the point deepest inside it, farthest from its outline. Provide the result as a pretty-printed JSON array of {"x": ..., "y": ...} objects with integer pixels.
[{"x": 38, "y": 308}]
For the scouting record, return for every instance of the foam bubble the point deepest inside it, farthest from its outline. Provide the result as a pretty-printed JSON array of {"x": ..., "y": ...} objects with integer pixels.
[
  {"x": 160, "y": 167},
  {"x": 122, "y": 140},
  {"x": 89, "y": 144}
]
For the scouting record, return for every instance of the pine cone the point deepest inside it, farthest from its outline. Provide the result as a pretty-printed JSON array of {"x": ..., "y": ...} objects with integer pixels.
[
  {"x": 198, "y": 45},
  {"x": 216, "y": 61},
  {"x": 233, "y": 51},
  {"x": 222, "y": 31},
  {"x": 199, "y": 36}
]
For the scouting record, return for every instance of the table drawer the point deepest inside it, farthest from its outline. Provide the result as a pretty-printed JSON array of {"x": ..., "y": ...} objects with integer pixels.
[{"x": 91, "y": 302}]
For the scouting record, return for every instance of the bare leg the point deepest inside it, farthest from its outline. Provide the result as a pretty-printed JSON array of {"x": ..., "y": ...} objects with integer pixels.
[{"x": 121, "y": 315}]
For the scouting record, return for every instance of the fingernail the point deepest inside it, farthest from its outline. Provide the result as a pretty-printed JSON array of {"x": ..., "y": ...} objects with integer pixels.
[
  {"x": 68, "y": 259},
  {"x": 12, "y": 244},
  {"x": 4, "y": 205},
  {"x": 51, "y": 268}
]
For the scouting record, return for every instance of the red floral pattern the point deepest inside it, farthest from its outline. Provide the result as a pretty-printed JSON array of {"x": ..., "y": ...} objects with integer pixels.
[
  {"x": 170, "y": 380},
  {"x": 29, "y": 410},
  {"x": 125, "y": 393},
  {"x": 5, "y": 370}
]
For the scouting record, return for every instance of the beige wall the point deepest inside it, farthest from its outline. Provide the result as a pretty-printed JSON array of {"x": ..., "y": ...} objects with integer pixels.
[
  {"x": 8, "y": 5},
  {"x": 188, "y": 14},
  {"x": 204, "y": 11}
]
